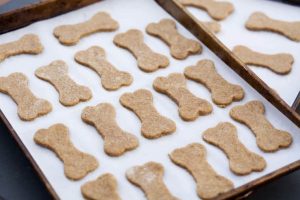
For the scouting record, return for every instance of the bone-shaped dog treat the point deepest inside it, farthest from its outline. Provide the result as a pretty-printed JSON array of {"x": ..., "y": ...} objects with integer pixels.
[
  {"x": 148, "y": 60},
  {"x": 70, "y": 93},
  {"x": 218, "y": 10},
  {"x": 116, "y": 141},
  {"x": 268, "y": 138},
  {"x": 223, "y": 92},
  {"x": 241, "y": 160},
  {"x": 260, "y": 22},
  {"x": 154, "y": 125},
  {"x": 76, "y": 163},
  {"x": 103, "y": 188},
  {"x": 190, "y": 106},
  {"x": 193, "y": 159},
  {"x": 29, "y": 106},
  {"x": 180, "y": 46},
  {"x": 111, "y": 78},
  {"x": 213, "y": 26},
  {"x": 28, "y": 44},
  {"x": 278, "y": 63},
  {"x": 149, "y": 177},
  {"x": 71, "y": 34}
]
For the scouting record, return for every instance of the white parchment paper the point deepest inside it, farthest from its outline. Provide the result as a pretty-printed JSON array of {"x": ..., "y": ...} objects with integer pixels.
[{"x": 137, "y": 14}]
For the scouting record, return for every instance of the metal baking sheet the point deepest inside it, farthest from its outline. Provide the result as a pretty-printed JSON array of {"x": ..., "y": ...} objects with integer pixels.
[{"x": 87, "y": 139}]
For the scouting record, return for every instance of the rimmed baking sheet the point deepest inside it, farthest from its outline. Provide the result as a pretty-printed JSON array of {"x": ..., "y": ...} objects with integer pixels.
[{"x": 87, "y": 139}]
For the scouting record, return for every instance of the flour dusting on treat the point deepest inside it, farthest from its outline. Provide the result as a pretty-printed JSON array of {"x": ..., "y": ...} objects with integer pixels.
[
  {"x": 111, "y": 78},
  {"x": 280, "y": 63},
  {"x": 28, "y": 44},
  {"x": 29, "y": 106},
  {"x": 103, "y": 188},
  {"x": 190, "y": 106},
  {"x": 154, "y": 125},
  {"x": 219, "y": 10},
  {"x": 193, "y": 159},
  {"x": 268, "y": 138},
  {"x": 133, "y": 41},
  {"x": 258, "y": 21},
  {"x": 223, "y": 93},
  {"x": 241, "y": 160},
  {"x": 70, "y": 93},
  {"x": 76, "y": 163},
  {"x": 180, "y": 46},
  {"x": 71, "y": 34},
  {"x": 149, "y": 177},
  {"x": 116, "y": 141}
]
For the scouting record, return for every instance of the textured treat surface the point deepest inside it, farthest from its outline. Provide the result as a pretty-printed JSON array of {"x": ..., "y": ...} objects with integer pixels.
[
  {"x": 29, "y": 106},
  {"x": 148, "y": 60},
  {"x": 241, "y": 160},
  {"x": 70, "y": 93},
  {"x": 193, "y": 159},
  {"x": 149, "y": 177},
  {"x": 76, "y": 163},
  {"x": 111, "y": 78},
  {"x": 223, "y": 93},
  {"x": 268, "y": 138},
  {"x": 116, "y": 141},
  {"x": 190, "y": 106},
  {"x": 154, "y": 125}
]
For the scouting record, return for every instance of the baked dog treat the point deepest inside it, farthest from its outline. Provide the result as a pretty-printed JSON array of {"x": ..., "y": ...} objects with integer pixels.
[
  {"x": 180, "y": 46},
  {"x": 268, "y": 138},
  {"x": 218, "y": 10},
  {"x": 28, "y": 44},
  {"x": 223, "y": 93},
  {"x": 241, "y": 160},
  {"x": 279, "y": 63},
  {"x": 190, "y": 106},
  {"x": 154, "y": 125},
  {"x": 149, "y": 177},
  {"x": 71, "y": 34},
  {"x": 70, "y": 93},
  {"x": 258, "y": 21},
  {"x": 29, "y": 106},
  {"x": 213, "y": 26},
  {"x": 103, "y": 188},
  {"x": 148, "y": 60},
  {"x": 116, "y": 141},
  {"x": 111, "y": 78},
  {"x": 76, "y": 163},
  {"x": 193, "y": 159}
]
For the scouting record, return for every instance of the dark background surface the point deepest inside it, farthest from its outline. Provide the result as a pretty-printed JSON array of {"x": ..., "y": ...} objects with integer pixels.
[{"x": 18, "y": 180}]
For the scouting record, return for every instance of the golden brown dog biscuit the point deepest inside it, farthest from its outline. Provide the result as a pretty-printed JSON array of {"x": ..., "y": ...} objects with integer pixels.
[
  {"x": 76, "y": 163},
  {"x": 29, "y": 106},
  {"x": 279, "y": 63},
  {"x": 268, "y": 138},
  {"x": 218, "y": 10},
  {"x": 193, "y": 159},
  {"x": 111, "y": 78},
  {"x": 28, "y": 44},
  {"x": 241, "y": 160},
  {"x": 258, "y": 21},
  {"x": 103, "y": 188},
  {"x": 223, "y": 93},
  {"x": 71, "y": 34},
  {"x": 180, "y": 46},
  {"x": 70, "y": 93},
  {"x": 213, "y": 26},
  {"x": 190, "y": 106},
  {"x": 116, "y": 141},
  {"x": 154, "y": 125},
  {"x": 149, "y": 177},
  {"x": 148, "y": 60}
]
